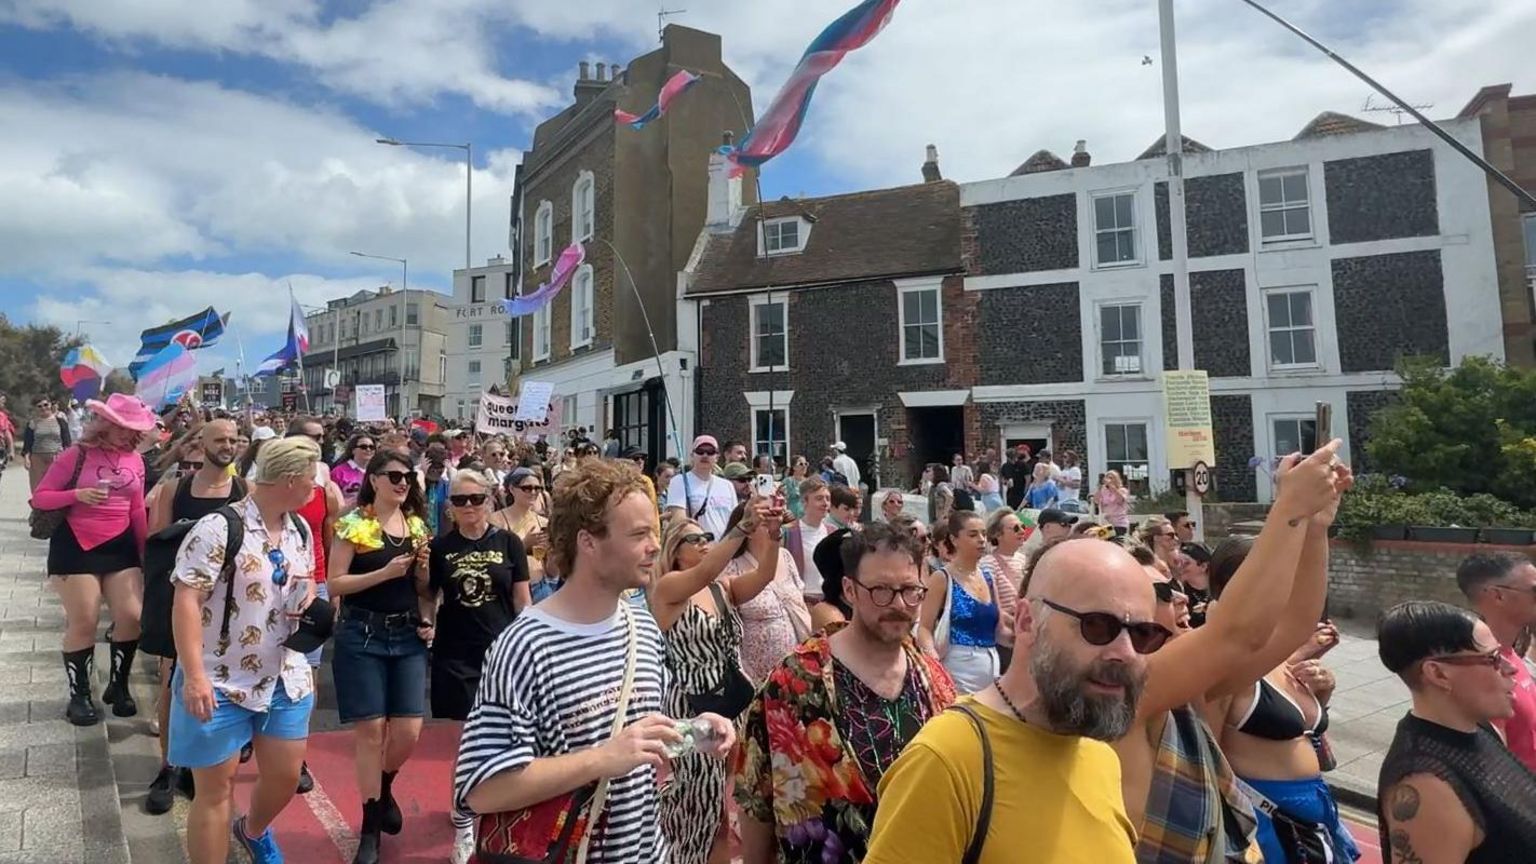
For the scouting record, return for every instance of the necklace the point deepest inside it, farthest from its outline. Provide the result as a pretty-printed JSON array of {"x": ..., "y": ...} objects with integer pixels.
[{"x": 997, "y": 684}]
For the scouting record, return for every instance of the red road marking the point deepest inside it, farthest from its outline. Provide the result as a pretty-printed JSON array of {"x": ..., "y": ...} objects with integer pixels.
[
  {"x": 423, "y": 789},
  {"x": 1368, "y": 840}
]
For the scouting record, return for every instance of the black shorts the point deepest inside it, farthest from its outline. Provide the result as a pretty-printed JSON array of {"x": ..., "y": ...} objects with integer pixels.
[
  {"x": 66, "y": 558},
  {"x": 455, "y": 678}
]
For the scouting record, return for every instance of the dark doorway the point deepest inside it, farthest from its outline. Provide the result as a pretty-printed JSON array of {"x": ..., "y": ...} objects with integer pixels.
[
  {"x": 858, "y": 432},
  {"x": 1035, "y": 445},
  {"x": 937, "y": 435},
  {"x": 639, "y": 418}
]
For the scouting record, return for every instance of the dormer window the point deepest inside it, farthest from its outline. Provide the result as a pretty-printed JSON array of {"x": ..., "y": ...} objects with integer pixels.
[{"x": 784, "y": 236}]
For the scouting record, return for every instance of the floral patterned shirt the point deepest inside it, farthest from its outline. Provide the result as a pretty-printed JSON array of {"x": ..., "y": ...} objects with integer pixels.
[
  {"x": 246, "y": 667},
  {"x": 797, "y": 772}
]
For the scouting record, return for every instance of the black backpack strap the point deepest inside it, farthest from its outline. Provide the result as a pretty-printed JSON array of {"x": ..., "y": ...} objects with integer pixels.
[
  {"x": 234, "y": 536},
  {"x": 984, "y": 819},
  {"x": 74, "y": 477}
]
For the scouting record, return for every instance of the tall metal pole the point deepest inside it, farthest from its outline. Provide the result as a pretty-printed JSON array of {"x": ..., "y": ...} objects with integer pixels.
[
  {"x": 405, "y": 308},
  {"x": 469, "y": 197},
  {"x": 1183, "y": 308}
]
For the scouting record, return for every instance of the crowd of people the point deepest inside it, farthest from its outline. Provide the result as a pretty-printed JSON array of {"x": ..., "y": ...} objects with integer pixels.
[{"x": 685, "y": 662}]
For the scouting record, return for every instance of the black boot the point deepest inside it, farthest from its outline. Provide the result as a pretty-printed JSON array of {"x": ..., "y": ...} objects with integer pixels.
[
  {"x": 390, "y": 818},
  {"x": 306, "y": 780},
  {"x": 77, "y": 668},
  {"x": 117, "y": 693},
  {"x": 368, "y": 837}
]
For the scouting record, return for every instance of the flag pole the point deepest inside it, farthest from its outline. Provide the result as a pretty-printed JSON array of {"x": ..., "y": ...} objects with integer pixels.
[{"x": 298, "y": 354}]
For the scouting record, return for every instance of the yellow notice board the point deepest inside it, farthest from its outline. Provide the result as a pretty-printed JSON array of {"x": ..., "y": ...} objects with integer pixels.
[{"x": 1187, "y": 418}]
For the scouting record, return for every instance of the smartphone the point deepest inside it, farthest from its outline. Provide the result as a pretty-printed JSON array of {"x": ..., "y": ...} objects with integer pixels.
[
  {"x": 1324, "y": 424},
  {"x": 764, "y": 486}
]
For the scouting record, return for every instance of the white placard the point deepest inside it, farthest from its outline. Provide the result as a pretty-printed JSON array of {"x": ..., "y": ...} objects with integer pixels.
[
  {"x": 533, "y": 404},
  {"x": 370, "y": 403},
  {"x": 498, "y": 416}
]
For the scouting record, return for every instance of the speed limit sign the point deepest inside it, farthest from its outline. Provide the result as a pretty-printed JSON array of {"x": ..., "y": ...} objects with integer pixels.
[{"x": 1202, "y": 478}]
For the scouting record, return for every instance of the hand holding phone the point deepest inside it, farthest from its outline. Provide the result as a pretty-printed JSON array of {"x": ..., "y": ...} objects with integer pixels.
[{"x": 763, "y": 486}]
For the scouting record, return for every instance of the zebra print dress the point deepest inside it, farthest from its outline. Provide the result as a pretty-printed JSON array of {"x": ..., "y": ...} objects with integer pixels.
[{"x": 700, "y": 649}]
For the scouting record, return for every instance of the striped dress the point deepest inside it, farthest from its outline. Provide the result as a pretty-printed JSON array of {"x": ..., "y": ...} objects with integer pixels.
[
  {"x": 550, "y": 687},
  {"x": 701, "y": 648}
]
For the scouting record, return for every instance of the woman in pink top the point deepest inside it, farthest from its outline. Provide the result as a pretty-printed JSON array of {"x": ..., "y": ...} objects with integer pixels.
[
  {"x": 99, "y": 549},
  {"x": 349, "y": 475},
  {"x": 1114, "y": 501}
]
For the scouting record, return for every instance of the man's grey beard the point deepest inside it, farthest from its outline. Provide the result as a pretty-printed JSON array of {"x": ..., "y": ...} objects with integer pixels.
[{"x": 1072, "y": 711}]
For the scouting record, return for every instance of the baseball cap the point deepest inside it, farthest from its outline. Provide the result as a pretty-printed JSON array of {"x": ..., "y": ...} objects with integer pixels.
[
  {"x": 706, "y": 439},
  {"x": 1052, "y": 516},
  {"x": 263, "y": 433},
  {"x": 736, "y": 471},
  {"x": 632, "y": 452},
  {"x": 839, "y": 446},
  {"x": 316, "y": 623}
]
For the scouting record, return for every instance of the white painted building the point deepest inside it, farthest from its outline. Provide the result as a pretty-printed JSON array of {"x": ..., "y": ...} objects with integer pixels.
[
  {"x": 1313, "y": 263},
  {"x": 483, "y": 343}
]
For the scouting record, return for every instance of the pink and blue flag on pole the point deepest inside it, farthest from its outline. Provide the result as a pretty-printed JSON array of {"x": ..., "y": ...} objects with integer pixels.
[
  {"x": 167, "y": 375},
  {"x": 776, "y": 129},
  {"x": 565, "y": 267},
  {"x": 676, "y": 86},
  {"x": 292, "y": 352}
]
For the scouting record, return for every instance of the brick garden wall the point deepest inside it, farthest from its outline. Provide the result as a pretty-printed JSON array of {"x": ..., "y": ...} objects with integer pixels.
[{"x": 1362, "y": 581}]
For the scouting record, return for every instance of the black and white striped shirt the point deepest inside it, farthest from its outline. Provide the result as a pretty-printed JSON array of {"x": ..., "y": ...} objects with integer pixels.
[{"x": 550, "y": 687}]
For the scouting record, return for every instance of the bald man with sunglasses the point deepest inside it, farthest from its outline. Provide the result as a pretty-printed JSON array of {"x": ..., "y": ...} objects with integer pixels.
[{"x": 1099, "y": 691}]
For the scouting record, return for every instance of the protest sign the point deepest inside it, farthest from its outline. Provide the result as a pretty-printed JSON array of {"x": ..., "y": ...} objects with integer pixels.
[
  {"x": 533, "y": 403},
  {"x": 370, "y": 403},
  {"x": 498, "y": 416},
  {"x": 1187, "y": 413}
]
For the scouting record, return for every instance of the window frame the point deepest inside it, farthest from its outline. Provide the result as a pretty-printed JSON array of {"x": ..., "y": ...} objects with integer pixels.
[
  {"x": 477, "y": 289},
  {"x": 1110, "y": 464},
  {"x": 475, "y": 337},
  {"x": 936, "y": 286},
  {"x": 413, "y": 315},
  {"x": 761, "y": 300},
  {"x": 583, "y": 306},
  {"x": 543, "y": 234},
  {"x": 515, "y": 339},
  {"x": 1285, "y": 205},
  {"x": 543, "y": 334},
  {"x": 1141, "y": 337},
  {"x": 782, "y": 455},
  {"x": 510, "y": 290},
  {"x": 1270, "y": 329},
  {"x": 584, "y": 192},
  {"x": 474, "y": 374},
  {"x": 1299, "y": 419},
  {"x": 802, "y": 234},
  {"x": 1136, "y": 258}
]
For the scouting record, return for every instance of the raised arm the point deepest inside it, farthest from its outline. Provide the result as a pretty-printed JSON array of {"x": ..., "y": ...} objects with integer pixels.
[{"x": 1244, "y": 620}]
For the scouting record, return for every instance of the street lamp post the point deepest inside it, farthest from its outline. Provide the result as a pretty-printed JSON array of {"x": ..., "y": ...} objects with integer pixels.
[
  {"x": 469, "y": 178},
  {"x": 405, "y": 296}
]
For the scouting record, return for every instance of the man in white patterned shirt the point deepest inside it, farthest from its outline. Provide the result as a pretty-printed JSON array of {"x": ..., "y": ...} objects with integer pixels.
[{"x": 237, "y": 681}]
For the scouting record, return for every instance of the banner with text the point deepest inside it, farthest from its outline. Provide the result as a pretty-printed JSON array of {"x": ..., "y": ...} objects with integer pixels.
[
  {"x": 370, "y": 403},
  {"x": 498, "y": 416},
  {"x": 1187, "y": 418}
]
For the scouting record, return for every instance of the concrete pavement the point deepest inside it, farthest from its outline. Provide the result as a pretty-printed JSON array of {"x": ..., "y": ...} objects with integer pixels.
[{"x": 1363, "y": 715}]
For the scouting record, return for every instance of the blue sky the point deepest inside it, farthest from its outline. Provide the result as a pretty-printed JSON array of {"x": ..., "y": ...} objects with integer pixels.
[{"x": 162, "y": 155}]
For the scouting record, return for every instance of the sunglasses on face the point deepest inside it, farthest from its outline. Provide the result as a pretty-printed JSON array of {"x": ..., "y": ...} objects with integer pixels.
[
  {"x": 1102, "y": 628},
  {"x": 364, "y": 447},
  {"x": 531, "y": 490},
  {"x": 698, "y": 539},
  {"x": 189, "y": 465},
  {"x": 1493, "y": 660},
  {"x": 472, "y": 500},
  {"x": 279, "y": 567},
  {"x": 706, "y": 451},
  {"x": 882, "y": 596},
  {"x": 1164, "y": 591},
  {"x": 398, "y": 477},
  {"x": 1016, "y": 528}
]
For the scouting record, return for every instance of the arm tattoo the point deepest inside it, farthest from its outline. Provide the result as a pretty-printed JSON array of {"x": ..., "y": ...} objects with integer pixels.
[
  {"x": 1405, "y": 802},
  {"x": 1402, "y": 849}
]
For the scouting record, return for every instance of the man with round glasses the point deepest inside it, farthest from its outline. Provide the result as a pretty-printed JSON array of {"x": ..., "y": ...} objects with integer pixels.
[{"x": 835, "y": 713}]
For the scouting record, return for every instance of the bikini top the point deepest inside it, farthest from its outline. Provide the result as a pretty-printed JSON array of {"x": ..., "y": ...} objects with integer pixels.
[{"x": 1274, "y": 717}]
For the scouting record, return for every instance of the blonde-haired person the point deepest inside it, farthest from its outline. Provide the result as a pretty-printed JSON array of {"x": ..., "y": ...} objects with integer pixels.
[
  {"x": 1114, "y": 501},
  {"x": 695, "y": 607},
  {"x": 1157, "y": 533},
  {"x": 265, "y": 698},
  {"x": 525, "y": 488},
  {"x": 562, "y": 662},
  {"x": 476, "y": 583},
  {"x": 381, "y": 640},
  {"x": 98, "y": 549}
]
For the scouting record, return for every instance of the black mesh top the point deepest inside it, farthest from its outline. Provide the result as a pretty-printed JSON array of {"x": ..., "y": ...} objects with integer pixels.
[{"x": 1498, "y": 792}]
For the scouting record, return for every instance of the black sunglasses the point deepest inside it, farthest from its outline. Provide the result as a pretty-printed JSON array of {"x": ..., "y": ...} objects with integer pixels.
[
  {"x": 1164, "y": 591},
  {"x": 706, "y": 451},
  {"x": 363, "y": 447},
  {"x": 531, "y": 489},
  {"x": 1102, "y": 628},
  {"x": 398, "y": 477},
  {"x": 472, "y": 500},
  {"x": 189, "y": 465},
  {"x": 698, "y": 539}
]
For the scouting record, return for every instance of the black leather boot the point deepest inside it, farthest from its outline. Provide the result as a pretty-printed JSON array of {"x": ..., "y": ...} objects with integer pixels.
[
  {"x": 117, "y": 693},
  {"x": 368, "y": 837},
  {"x": 391, "y": 820},
  {"x": 81, "y": 710}
]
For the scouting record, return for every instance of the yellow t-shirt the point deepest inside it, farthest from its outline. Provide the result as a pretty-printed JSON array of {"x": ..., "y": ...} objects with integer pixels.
[{"x": 1056, "y": 798}]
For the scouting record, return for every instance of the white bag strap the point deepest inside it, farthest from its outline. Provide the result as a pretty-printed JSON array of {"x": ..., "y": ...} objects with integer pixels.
[{"x": 600, "y": 797}]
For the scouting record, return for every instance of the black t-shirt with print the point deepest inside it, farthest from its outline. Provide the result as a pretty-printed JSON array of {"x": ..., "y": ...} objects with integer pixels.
[{"x": 475, "y": 578}]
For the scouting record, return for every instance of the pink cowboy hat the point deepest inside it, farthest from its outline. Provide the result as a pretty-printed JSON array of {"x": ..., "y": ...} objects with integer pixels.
[{"x": 123, "y": 410}]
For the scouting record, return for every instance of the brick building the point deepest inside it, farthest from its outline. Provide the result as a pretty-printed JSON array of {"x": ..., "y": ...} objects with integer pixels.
[
  {"x": 1314, "y": 264},
  {"x": 1509, "y": 144},
  {"x": 836, "y": 318},
  {"x": 641, "y": 193}
]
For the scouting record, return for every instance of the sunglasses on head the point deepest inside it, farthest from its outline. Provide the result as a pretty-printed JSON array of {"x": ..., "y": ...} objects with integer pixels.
[
  {"x": 706, "y": 451},
  {"x": 698, "y": 539},
  {"x": 475, "y": 499},
  {"x": 1102, "y": 628},
  {"x": 398, "y": 477}
]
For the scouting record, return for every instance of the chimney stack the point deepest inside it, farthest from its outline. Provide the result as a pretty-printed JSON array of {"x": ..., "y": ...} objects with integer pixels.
[
  {"x": 1080, "y": 156},
  {"x": 931, "y": 167},
  {"x": 585, "y": 72},
  {"x": 588, "y": 87},
  {"x": 724, "y": 192},
  {"x": 602, "y": 72}
]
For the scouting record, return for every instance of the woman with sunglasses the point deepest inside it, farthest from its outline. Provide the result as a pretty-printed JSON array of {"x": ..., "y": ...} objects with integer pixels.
[
  {"x": 1156, "y": 533},
  {"x": 525, "y": 487},
  {"x": 776, "y": 619},
  {"x": 349, "y": 475},
  {"x": 962, "y": 600},
  {"x": 382, "y": 638},
  {"x": 799, "y": 469},
  {"x": 477, "y": 580},
  {"x": 44, "y": 438},
  {"x": 695, "y": 604}
]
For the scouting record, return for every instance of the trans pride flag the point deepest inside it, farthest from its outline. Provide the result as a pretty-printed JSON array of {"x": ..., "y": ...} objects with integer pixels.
[
  {"x": 167, "y": 375},
  {"x": 675, "y": 87},
  {"x": 776, "y": 129}
]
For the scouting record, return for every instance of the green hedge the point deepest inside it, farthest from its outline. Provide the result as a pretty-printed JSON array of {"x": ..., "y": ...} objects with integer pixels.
[{"x": 1377, "y": 500}]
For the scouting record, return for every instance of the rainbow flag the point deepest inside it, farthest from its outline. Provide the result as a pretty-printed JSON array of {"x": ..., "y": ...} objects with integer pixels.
[
  {"x": 167, "y": 375},
  {"x": 83, "y": 371}
]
